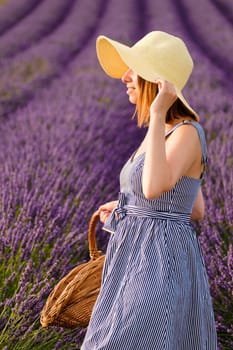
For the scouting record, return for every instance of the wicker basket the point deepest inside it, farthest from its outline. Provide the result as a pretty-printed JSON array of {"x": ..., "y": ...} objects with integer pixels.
[{"x": 71, "y": 302}]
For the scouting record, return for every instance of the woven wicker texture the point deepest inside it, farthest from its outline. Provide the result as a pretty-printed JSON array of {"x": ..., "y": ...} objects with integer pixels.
[{"x": 71, "y": 302}]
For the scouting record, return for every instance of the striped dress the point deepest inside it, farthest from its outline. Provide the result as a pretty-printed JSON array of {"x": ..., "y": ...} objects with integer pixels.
[{"x": 155, "y": 293}]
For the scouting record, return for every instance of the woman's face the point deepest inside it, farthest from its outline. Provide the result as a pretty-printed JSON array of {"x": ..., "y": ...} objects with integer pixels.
[{"x": 130, "y": 79}]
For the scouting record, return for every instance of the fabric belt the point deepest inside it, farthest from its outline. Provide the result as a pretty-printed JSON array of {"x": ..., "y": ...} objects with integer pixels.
[{"x": 123, "y": 209}]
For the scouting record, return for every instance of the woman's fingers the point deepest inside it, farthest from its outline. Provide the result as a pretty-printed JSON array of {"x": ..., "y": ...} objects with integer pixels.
[
  {"x": 165, "y": 98},
  {"x": 104, "y": 214},
  {"x": 166, "y": 86},
  {"x": 105, "y": 210},
  {"x": 108, "y": 206}
]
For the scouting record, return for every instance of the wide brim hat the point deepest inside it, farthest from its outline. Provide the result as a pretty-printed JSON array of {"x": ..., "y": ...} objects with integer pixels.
[{"x": 158, "y": 55}]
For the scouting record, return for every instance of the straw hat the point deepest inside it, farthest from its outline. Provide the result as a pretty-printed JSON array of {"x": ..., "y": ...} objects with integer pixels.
[{"x": 156, "y": 55}]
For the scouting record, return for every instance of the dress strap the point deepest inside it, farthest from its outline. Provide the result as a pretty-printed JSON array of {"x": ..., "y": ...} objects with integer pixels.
[
  {"x": 169, "y": 132},
  {"x": 202, "y": 137}
]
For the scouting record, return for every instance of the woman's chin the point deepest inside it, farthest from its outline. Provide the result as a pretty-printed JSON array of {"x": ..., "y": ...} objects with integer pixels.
[{"x": 132, "y": 100}]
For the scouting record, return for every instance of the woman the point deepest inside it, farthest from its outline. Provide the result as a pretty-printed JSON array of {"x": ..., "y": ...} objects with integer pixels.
[{"x": 154, "y": 292}]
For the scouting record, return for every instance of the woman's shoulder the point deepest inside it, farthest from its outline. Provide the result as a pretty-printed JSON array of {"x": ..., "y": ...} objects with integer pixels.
[
  {"x": 186, "y": 130},
  {"x": 194, "y": 131},
  {"x": 199, "y": 128}
]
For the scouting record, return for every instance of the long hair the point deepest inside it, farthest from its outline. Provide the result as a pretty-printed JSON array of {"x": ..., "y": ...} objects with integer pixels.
[{"x": 148, "y": 92}]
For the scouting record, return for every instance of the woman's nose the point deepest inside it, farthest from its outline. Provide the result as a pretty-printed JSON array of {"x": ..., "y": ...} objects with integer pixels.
[{"x": 126, "y": 77}]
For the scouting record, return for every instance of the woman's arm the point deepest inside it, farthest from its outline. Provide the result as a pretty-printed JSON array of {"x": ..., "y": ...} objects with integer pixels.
[
  {"x": 198, "y": 211},
  {"x": 164, "y": 166}
]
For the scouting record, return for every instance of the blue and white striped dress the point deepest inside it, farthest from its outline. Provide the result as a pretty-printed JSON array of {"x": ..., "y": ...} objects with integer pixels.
[{"x": 155, "y": 292}]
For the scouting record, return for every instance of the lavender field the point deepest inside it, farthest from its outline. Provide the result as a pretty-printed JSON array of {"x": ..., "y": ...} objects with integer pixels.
[{"x": 66, "y": 130}]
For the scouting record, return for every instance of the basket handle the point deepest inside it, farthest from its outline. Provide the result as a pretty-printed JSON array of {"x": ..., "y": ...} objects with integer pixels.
[{"x": 93, "y": 252}]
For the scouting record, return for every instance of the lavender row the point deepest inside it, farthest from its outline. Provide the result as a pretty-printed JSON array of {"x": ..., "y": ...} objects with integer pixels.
[
  {"x": 210, "y": 30},
  {"x": 22, "y": 75},
  {"x": 226, "y": 7},
  {"x": 42, "y": 22},
  {"x": 11, "y": 13}
]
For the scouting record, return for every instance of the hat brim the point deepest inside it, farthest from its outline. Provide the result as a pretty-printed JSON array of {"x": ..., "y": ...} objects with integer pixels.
[
  {"x": 112, "y": 56},
  {"x": 116, "y": 58}
]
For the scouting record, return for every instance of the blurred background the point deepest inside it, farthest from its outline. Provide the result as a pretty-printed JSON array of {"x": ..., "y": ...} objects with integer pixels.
[{"x": 66, "y": 129}]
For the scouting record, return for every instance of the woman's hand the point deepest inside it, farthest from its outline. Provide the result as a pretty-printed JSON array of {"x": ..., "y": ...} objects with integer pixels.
[
  {"x": 106, "y": 209},
  {"x": 164, "y": 99}
]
